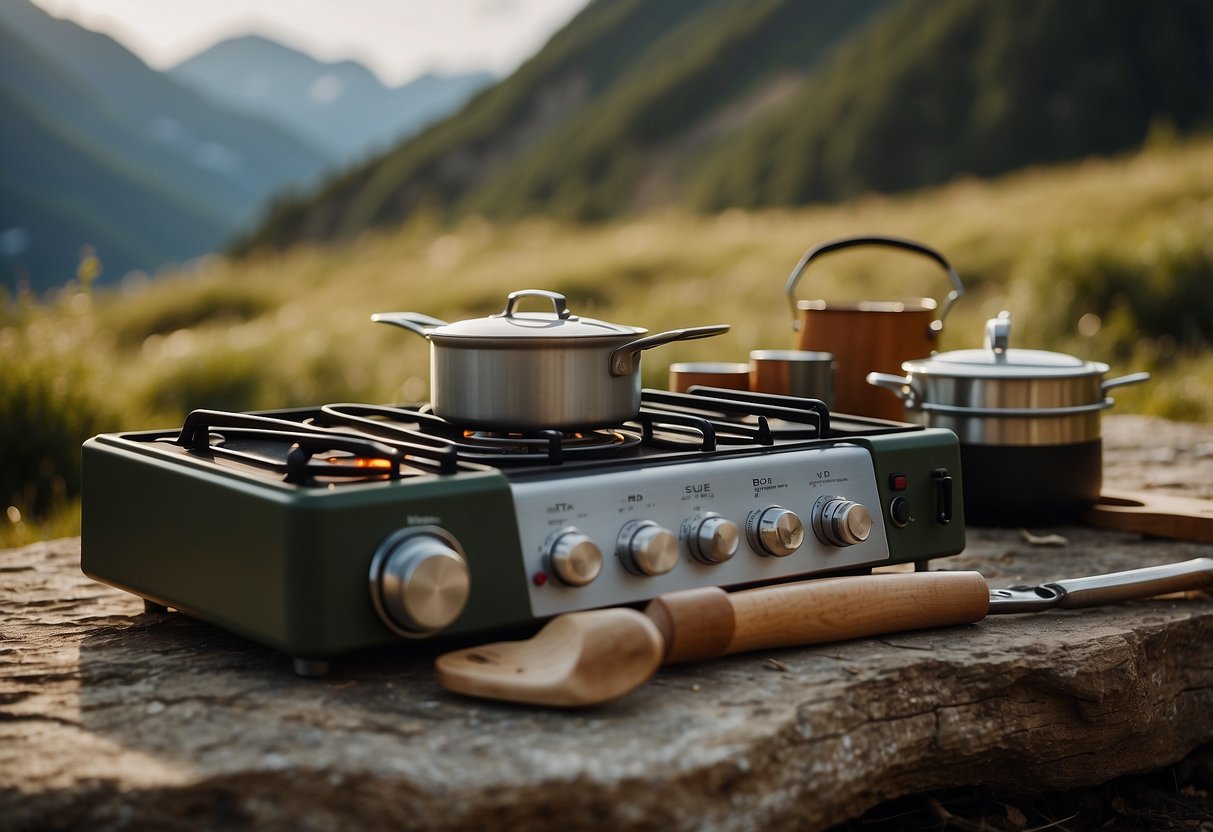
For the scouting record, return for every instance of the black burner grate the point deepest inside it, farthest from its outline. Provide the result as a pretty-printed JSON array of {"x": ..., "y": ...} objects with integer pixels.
[{"x": 357, "y": 442}]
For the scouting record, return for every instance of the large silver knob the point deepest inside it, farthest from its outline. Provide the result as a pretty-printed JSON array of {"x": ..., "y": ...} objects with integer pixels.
[
  {"x": 774, "y": 530},
  {"x": 419, "y": 581},
  {"x": 712, "y": 538},
  {"x": 646, "y": 548},
  {"x": 575, "y": 558},
  {"x": 841, "y": 522}
]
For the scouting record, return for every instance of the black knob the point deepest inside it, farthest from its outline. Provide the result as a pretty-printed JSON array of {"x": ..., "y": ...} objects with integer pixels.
[{"x": 899, "y": 512}]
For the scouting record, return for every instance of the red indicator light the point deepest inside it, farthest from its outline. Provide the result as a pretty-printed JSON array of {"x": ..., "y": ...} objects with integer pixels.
[
  {"x": 898, "y": 482},
  {"x": 540, "y": 578}
]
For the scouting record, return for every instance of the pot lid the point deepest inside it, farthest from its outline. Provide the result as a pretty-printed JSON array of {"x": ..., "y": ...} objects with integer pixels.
[
  {"x": 998, "y": 360},
  {"x": 509, "y": 323}
]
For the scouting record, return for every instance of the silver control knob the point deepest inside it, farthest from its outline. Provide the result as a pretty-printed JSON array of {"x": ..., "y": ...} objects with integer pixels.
[
  {"x": 774, "y": 530},
  {"x": 712, "y": 538},
  {"x": 646, "y": 548},
  {"x": 419, "y": 581},
  {"x": 575, "y": 558},
  {"x": 841, "y": 522}
]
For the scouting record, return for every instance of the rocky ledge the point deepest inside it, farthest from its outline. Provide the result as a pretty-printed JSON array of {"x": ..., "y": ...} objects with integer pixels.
[{"x": 113, "y": 718}]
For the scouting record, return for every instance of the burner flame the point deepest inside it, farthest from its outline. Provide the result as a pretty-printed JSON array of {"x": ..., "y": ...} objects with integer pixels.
[{"x": 361, "y": 462}]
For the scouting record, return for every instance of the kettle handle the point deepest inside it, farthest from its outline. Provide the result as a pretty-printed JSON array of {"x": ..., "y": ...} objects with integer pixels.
[{"x": 812, "y": 254}]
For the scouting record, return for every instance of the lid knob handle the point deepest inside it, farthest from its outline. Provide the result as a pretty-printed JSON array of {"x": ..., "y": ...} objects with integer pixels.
[
  {"x": 558, "y": 300},
  {"x": 998, "y": 333}
]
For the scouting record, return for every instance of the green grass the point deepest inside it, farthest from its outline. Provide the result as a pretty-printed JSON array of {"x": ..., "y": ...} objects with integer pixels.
[{"x": 1125, "y": 242}]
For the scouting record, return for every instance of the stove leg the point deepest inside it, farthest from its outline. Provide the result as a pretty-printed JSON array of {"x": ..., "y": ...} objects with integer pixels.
[
  {"x": 153, "y": 607},
  {"x": 310, "y": 667}
]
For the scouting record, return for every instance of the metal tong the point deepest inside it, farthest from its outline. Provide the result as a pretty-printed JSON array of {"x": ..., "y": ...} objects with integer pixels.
[{"x": 1073, "y": 593}]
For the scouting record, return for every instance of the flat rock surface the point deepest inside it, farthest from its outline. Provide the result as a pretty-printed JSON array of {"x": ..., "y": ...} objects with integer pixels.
[{"x": 112, "y": 718}]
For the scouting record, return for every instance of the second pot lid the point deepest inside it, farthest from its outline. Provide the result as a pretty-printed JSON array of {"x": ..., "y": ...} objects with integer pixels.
[
  {"x": 557, "y": 324},
  {"x": 998, "y": 360}
]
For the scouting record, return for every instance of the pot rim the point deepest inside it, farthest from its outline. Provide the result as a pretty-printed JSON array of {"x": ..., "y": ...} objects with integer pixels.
[
  {"x": 522, "y": 342},
  {"x": 1009, "y": 365},
  {"x": 903, "y": 305}
]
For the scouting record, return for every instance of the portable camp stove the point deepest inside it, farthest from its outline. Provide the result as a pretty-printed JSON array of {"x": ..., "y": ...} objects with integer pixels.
[{"x": 324, "y": 530}]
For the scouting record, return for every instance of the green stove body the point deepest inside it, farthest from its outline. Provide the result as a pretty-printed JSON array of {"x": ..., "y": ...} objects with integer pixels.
[{"x": 321, "y": 531}]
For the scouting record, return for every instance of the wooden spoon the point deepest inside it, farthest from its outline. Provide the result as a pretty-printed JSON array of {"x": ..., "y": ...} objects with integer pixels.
[
  {"x": 577, "y": 659},
  {"x": 586, "y": 658}
]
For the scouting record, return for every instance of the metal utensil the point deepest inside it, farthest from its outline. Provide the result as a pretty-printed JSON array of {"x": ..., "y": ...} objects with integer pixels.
[{"x": 1095, "y": 590}]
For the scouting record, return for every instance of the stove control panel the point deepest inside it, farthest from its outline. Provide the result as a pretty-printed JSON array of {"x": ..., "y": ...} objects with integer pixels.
[{"x": 622, "y": 537}]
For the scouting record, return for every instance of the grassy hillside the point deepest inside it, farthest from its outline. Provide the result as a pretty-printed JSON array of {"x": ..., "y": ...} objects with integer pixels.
[
  {"x": 1125, "y": 242},
  {"x": 733, "y": 103},
  {"x": 936, "y": 88}
]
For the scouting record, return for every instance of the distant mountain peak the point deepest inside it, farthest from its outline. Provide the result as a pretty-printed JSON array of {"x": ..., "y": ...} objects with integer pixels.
[{"x": 339, "y": 105}]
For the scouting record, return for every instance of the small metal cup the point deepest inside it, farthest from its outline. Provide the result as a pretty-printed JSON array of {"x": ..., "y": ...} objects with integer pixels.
[
  {"x": 727, "y": 374},
  {"x": 802, "y": 373}
]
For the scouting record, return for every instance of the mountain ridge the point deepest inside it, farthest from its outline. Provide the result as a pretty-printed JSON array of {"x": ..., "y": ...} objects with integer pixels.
[
  {"x": 159, "y": 172},
  {"x": 625, "y": 108}
]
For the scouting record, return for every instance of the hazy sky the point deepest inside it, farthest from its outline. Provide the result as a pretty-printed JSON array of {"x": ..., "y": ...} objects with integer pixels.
[{"x": 397, "y": 39}]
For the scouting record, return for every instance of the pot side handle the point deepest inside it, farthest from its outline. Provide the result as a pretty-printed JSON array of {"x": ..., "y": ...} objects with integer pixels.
[
  {"x": 622, "y": 361},
  {"x": 1121, "y": 381},
  {"x": 898, "y": 385},
  {"x": 412, "y": 321}
]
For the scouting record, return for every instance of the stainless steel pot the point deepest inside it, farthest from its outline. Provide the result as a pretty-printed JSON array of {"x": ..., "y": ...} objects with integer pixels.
[
  {"x": 1028, "y": 423},
  {"x": 536, "y": 370}
]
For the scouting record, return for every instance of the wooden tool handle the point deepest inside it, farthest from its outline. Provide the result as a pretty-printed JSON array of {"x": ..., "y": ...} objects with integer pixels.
[{"x": 703, "y": 623}]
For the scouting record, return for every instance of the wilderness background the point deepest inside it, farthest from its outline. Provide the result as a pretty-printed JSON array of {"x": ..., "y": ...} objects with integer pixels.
[{"x": 177, "y": 239}]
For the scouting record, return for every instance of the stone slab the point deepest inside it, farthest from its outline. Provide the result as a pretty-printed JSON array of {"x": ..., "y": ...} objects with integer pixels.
[{"x": 112, "y": 718}]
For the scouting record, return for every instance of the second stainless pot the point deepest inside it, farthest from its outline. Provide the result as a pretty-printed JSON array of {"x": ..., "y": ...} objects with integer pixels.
[
  {"x": 536, "y": 370},
  {"x": 1028, "y": 422}
]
